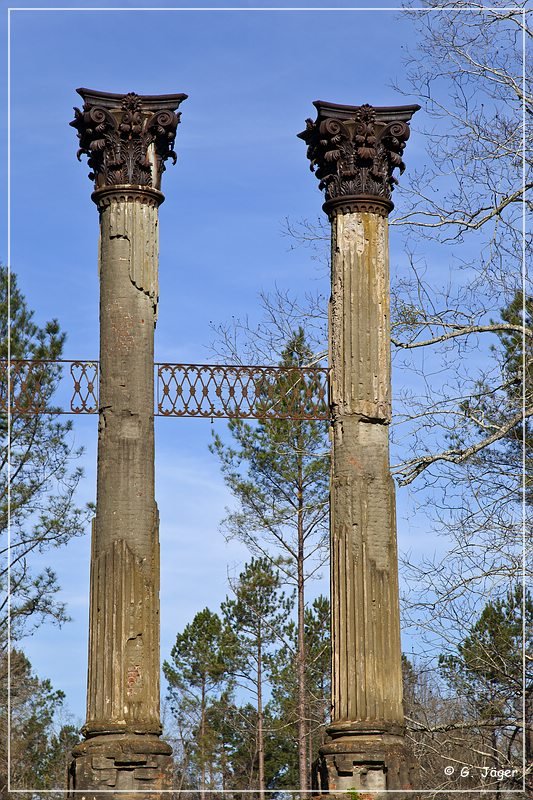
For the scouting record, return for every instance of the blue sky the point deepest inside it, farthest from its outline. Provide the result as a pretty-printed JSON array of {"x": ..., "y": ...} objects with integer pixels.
[{"x": 251, "y": 78}]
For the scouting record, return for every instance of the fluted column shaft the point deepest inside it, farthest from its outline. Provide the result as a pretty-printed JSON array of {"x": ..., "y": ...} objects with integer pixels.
[
  {"x": 127, "y": 139},
  {"x": 123, "y": 683},
  {"x": 364, "y": 586},
  {"x": 354, "y": 151}
]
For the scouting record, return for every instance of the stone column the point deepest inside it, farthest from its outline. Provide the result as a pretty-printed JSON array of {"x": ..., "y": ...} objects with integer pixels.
[
  {"x": 127, "y": 139},
  {"x": 354, "y": 150}
]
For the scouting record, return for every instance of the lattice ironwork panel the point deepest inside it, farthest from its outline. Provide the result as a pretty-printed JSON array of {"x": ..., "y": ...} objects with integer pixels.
[
  {"x": 182, "y": 390},
  {"x": 201, "y": 390},
  {"x": 55, "y": 387}
]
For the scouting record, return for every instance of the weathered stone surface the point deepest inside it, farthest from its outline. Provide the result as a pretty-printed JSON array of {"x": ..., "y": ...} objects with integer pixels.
[
  {"x": 355, "y": 150},
  {"x": 124, "y": 661},
  {"x": 123, "y": 686},
  {"x": 365, "y": 735},
  {"x": 127, "y": 138},
  {"x": 123, "y": 762},
  {"x": 124, "y": 653},
  {"x": 359, "y": 316},
  {"x": 365, "y": 762}
]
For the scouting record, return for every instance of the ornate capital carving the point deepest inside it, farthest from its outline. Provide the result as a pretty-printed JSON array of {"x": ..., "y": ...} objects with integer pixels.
[
  {"x": 127, "y": 137},
  {"x": 354, "y": 151}
]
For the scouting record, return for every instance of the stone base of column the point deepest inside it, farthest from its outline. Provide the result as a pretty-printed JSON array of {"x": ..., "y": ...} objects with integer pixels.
[
  {"x": 125, "y": 762},
  {"x": 366, "y": 760}
]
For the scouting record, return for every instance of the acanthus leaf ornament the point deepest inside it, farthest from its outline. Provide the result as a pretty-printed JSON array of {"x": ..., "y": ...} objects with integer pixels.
[
  {"x": 127, "y": 138},
  {"x": 354, "y": 151}
]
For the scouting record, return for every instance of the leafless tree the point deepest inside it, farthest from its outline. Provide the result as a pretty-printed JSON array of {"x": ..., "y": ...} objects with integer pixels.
[{"x": 462, "y": 313}]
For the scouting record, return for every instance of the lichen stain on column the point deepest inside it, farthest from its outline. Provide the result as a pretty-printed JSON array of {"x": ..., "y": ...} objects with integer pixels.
[
  {"x": 138, "y": 225},
  {"x": 359, "y": 322}
]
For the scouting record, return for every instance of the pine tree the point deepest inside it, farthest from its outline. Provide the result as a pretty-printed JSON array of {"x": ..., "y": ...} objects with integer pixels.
[
  {"x": 258, "y": 615},
  {"x": 234, "y": 729},
  {"x": 278, "y": 471},
  {"x": 41, "y": 480},
  {"x": 518, "y": 371},
  {"x": 318, "y": 671},
  {"x": 284, "y": 705},
  {"x": 202, "y": 660},
  {"x": 39, "y": 747},
  {"x": 487, "y": 676}
]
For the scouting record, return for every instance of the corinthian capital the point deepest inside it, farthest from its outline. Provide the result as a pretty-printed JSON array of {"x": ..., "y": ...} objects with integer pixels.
[
  {"x": 354, "y": 151},
  {"x": 127, "y": 137}
]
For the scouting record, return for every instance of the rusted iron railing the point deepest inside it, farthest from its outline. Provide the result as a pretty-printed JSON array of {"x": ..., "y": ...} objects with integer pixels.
[
  {"x": 240, "y": 392},
  {"x": 37, "y": 385},
  {"x": 182, "y": 390}
]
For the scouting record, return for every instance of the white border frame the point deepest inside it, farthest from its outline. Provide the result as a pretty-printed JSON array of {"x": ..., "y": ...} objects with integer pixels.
[{"x": 524, "y": 281}]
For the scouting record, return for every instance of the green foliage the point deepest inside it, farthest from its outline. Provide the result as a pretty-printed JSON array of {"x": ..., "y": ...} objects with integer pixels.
[
  {"x": 278, "y": 471},
  {"x": 518, "y": 312},
  {"x": 283, "y": 707},
  {"x": 247, "y": 656},
  {"x": 515, "y": 363},
  {"x": 198, "y": 677},
  {"x": 40, "y": 747},
  {"x": 201, "y": 655},
  {"x": 353, "y": 794},
  {"x": 495, "y": 405},
  {"x": 41, "y": 480},
  {"x": 487, "y": 670},
  {"x": 281, "y": 756},
  {"x": 491, "y": 676},
  {"x": 317, "y": 634},
  {"x": 518, "y": 370},
  {"x": 499, "y": 398},
  {"x": 257, "y": 614},
  {"x": 234, "y": 746}
]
